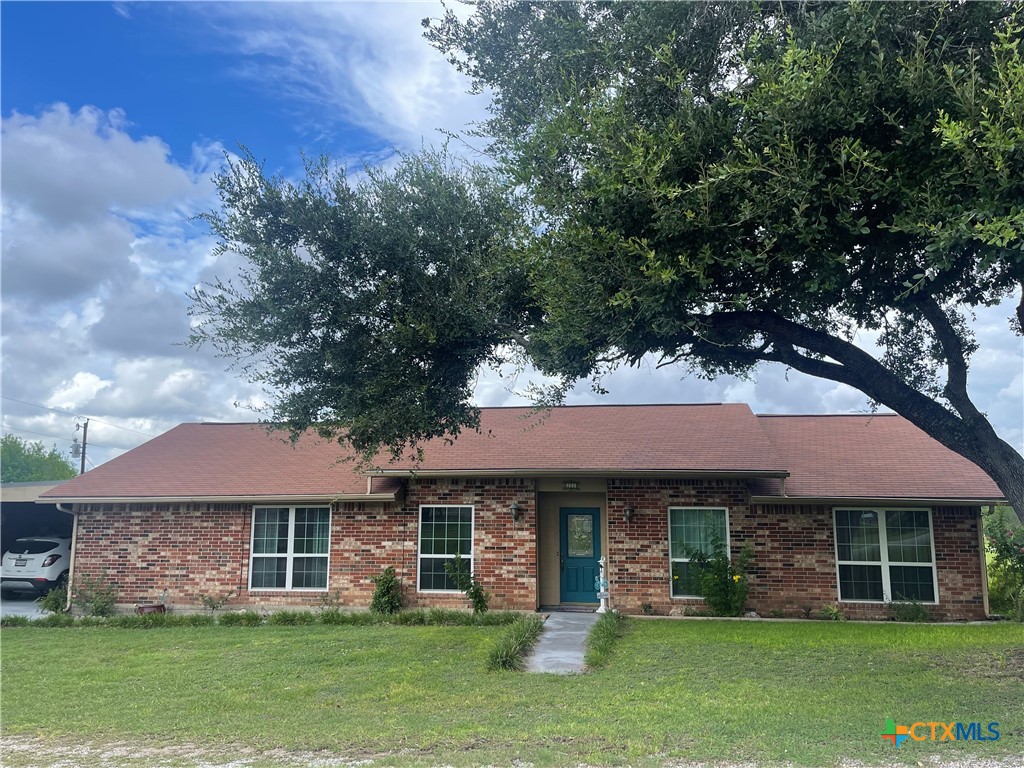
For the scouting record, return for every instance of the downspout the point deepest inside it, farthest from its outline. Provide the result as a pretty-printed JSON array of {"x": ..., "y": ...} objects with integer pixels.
[
  {"x": 74, "y": 543},
  {"x": 982, "y": 544}
]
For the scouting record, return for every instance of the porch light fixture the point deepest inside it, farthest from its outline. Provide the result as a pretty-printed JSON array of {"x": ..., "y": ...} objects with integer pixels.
[
  {"x": 517, "y": 511},
  {"x": 629, "y": 512}
]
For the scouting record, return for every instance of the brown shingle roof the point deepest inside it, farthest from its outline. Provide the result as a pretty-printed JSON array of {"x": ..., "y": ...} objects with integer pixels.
[
  {"x": 613, "y": 438},
  {"x": 210, "y": 460},
  {"x": 827, "y": 456},
  {"x": 868, "y": 456}
]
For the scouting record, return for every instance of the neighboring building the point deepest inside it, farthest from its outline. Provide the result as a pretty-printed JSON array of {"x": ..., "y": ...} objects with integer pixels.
[{"x": 850, "y": 509}]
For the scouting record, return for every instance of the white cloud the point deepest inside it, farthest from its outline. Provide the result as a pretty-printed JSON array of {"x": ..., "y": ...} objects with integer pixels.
[
  {"x": 80, "y": 390},
  {"x": 363, "y": 63},
  {"x": 74, "y": 166},
  {"x": 98, "y": 252},
  {"x": 83, "y": 200}
]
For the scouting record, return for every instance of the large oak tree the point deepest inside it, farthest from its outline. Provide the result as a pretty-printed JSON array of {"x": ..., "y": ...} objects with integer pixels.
[{"x": 722, "y": 185}]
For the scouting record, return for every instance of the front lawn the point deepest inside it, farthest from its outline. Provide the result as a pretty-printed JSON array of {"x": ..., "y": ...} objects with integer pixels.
[{"x": 806, "y": 693}]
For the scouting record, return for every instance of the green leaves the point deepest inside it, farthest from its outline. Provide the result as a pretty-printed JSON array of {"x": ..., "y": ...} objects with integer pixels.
[
  {"x": 22, "y": 461},
  {"x": 365, "y": 309}
]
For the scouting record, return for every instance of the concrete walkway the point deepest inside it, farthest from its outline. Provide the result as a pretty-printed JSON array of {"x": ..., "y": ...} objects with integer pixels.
[
  {"x": 562, "y": 643},
  {"x": 22, "y": 606}
]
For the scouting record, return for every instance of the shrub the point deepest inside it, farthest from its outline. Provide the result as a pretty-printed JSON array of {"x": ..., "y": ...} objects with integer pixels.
[
  {"x": 55, "y": 601},
  {"x": 511, "y": 650},
  {"x": 1006, "y": 569},
  {"x": 214, "y": 603},
  {"x": 911, "y": 611},
  {"x": 14, "y": 621},
  {"x": 387, "y": 592},
  {"x": 95, "y": 595},
  {"x": 330, "y": 601},
  {"x": 458, "y": 571},
  {"x": 602, "y": 638},
  {"x": 832, "y": 613},
  {"x": 721, "y": 582}
]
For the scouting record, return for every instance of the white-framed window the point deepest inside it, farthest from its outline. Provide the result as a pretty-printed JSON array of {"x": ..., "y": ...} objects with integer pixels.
[
  {"x": 446, "y": 530},
  {"x": 885, "y": 555},
  {"x": 693, "y": 528},
  {"x": 290, "y": 547}
]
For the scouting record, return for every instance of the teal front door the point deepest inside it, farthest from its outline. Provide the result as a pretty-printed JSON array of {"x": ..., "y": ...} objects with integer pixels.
[{"x": 579, "y": 552}]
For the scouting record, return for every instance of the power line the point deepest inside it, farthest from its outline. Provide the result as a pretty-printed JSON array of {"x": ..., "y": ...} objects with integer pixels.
[
  {"x": 57, "y": 437},
  {"x": 76, "y": 415}
]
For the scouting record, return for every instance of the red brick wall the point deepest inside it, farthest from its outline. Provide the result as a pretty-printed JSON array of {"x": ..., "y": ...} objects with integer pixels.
[
  {"x": 793, "y": 568},
  {"x": 187, "y": 549},
  {"x": 505, "y": 552},
  {"x": 196, "y": 549},
  {"x": 958, "y": 558},
  {"x": 638, "y": 557}
]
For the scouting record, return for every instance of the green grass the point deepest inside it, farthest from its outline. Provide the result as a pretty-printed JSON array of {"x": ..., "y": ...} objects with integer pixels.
[{"x": 803, "y": 693}]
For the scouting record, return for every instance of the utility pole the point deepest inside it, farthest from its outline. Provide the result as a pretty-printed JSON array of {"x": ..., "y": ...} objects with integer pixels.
[{"x": 85, "y": 440}]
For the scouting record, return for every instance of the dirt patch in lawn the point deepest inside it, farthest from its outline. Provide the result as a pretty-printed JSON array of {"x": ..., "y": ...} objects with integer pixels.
[
  {"x": 1008, "y": 665},
  {"x": 33, "y": 752}
]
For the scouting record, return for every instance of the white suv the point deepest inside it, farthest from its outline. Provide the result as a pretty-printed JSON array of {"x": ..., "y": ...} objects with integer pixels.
[{"x": 35, "y": 564}]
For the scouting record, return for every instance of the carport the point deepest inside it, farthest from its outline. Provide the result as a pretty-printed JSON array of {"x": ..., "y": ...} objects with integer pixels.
[{"x": 21, "y": 515}]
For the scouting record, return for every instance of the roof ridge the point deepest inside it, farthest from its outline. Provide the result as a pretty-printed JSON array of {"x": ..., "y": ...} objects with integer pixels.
[{"x": 503, "y": 408}]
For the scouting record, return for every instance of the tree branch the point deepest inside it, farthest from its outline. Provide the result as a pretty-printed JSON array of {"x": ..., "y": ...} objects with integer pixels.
[
  {"x": 956, "y": 358},
  {"x": 855, "y": 367}
]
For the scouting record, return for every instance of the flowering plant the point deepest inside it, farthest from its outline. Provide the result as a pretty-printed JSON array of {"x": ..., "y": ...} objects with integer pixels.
[{"x": 722, "y": 581}]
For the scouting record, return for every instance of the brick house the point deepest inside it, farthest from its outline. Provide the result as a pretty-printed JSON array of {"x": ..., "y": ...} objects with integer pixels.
[{"x": 855, "y": 510}]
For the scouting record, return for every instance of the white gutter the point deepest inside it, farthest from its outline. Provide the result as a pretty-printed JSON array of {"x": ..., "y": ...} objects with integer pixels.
[
  {"x": 613, "y": 473},
  {"x": 71, "y": 563},
  {"x": 945, "y": 502},
  {"x": 214, "y": 499}
]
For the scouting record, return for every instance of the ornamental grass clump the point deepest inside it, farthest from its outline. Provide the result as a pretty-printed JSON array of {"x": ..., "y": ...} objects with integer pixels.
[
  {"x": 511, "y": 650},
  {"x": 240, "y": 619},
  {"x": 602, "y": 638}
]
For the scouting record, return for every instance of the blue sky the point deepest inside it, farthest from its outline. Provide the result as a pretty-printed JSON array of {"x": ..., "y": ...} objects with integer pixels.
[
  {"x": 115, "y": 117},
  {"x": 173, "y": 71}
]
